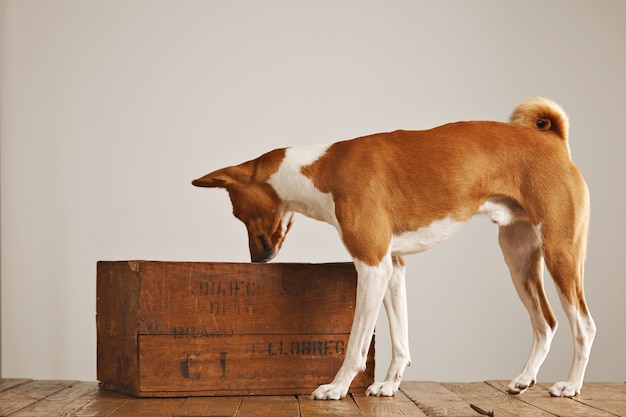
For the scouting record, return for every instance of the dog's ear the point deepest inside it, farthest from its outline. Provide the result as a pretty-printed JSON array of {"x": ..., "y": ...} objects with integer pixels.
[{"x": 222, "y": 178}]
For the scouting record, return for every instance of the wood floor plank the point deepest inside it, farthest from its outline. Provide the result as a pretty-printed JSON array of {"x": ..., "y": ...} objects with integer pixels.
[
  {"x": 277, "y": 406},
  {"x": 489, "y": 398},
  {"x": 209, "y": 407},
  {"x": 28, "y": 398},
  {"x": 398, "y": 405},
  {"x": 8, "y": 383},
  {"x": 24, "y": 395},
  {"x": 100, "y": 403},
  {"x": 53, "y": 404},
  {"x": 602, "y": 391},
  {"x": 149, "y": 407},
  {"x": 606, "y": 396},
  {"x": 436, "y": 400},
  {"x": 539, "y": 396},
  {"x": 345, "y": 407}
]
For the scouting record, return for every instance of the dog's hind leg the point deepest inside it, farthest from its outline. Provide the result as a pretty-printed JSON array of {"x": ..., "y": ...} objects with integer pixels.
[
  {"x": 396, "y": 307},
  {"x": 521, "y": 246},
  {"x": 583, "y": 331},
  {"x": 371, "y": 286},
  {"x": 565, "y": 263}
]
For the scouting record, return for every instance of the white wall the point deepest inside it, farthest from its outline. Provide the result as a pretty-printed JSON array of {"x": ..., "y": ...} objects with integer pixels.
[{"x": 109, "y": 109}]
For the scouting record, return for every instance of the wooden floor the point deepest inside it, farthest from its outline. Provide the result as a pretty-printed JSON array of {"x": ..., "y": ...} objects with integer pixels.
[{"x": 23, "y": 397}]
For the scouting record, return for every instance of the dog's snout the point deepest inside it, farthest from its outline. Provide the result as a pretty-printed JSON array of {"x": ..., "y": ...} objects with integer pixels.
[{"x": 267, "y": 253}]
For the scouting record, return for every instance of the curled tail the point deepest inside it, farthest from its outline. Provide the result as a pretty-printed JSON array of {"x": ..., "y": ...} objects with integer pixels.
[{"x": 542, "y": 114}]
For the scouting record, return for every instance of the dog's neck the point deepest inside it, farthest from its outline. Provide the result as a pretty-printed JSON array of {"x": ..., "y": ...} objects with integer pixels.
[{"x": 297, "y": 191}]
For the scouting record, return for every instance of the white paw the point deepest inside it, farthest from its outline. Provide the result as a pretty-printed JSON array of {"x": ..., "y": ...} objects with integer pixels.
[
  {"x": 565, "y": 389},
  {"x": 382, "y": 389},
  {"x": 329, "y": 392},
  {"x": 520, "y": 384}
]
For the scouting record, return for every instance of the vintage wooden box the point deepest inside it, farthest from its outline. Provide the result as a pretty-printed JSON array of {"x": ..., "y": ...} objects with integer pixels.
[{"x": 168, "y": 329}]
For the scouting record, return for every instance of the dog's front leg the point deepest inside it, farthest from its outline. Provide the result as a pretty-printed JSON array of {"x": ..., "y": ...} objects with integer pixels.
[
  {"x": 396, "y": 307},
  {"x": 371, "y": 285}
]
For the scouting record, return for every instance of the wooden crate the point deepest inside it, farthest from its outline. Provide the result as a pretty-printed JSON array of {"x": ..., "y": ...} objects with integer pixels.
[{"x": 169, "y": 329}]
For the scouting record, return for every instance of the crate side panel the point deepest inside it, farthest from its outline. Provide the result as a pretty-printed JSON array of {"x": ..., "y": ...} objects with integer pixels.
[
  {"x": 202, "y": 299},
  {"x": 117, "y": 297},
  {"x": 117, "y": 305},
  {"x": 243, "y": 364}
]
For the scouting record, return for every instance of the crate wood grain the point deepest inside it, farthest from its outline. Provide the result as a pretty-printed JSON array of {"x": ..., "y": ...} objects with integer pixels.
[
  {"x": 23, "y": 397},
  {"x": 168, "y": 329}
]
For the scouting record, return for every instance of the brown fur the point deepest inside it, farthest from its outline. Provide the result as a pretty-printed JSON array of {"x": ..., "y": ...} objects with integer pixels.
[{"x": 452, "y": 170}]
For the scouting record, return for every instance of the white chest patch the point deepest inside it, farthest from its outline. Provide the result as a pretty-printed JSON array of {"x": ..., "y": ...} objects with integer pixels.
[
  {"x": 297, "y": 191},
  {"x": 424, "y": 238}
]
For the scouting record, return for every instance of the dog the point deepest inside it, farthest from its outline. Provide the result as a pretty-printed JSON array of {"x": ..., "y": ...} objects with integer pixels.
[{"x": 403, "y": 192}]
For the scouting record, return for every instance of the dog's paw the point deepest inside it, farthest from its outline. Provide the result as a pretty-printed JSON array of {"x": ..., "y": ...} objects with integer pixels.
[
  {"x": 329, "y": 392},
  {"x": 520, "y": 384},
  {"x": 382, "y": 389},
  {"x": 565, "y": 389}
]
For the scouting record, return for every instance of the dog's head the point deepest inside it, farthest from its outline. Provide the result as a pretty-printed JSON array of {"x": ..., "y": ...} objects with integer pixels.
[{"x": 256, "y": 204}]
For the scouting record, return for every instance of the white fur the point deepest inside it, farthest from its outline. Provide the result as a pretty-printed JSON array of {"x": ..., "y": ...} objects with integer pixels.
[
  {"x": 424, "y": 238},
  {"x": 502, "y": 211},
  {"x": 297, "y": 191},
  {"x": 583, "y": 332},
  {"x": 371, "y": 288},
  {"x": 395, "y": 302}
]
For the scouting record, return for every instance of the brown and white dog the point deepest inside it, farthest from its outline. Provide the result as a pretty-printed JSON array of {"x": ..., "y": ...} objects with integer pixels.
[{"x": 403, "y": 192}]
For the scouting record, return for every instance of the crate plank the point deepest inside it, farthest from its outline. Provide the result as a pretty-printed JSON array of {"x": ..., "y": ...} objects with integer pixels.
[
  {"x": 236, "y": 298},
  {"x": 169, "y": 329},
  {"x": 242, "y": 364}
]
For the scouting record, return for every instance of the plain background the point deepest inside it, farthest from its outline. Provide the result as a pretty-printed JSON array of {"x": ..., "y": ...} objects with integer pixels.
[{"x": 109, "y": 109}]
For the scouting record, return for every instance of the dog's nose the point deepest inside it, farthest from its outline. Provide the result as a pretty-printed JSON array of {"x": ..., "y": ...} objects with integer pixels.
[{"x": 263, "y": 258}]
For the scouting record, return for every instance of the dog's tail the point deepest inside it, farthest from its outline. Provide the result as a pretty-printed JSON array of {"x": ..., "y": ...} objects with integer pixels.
[{"x": 542, "y": 114}]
